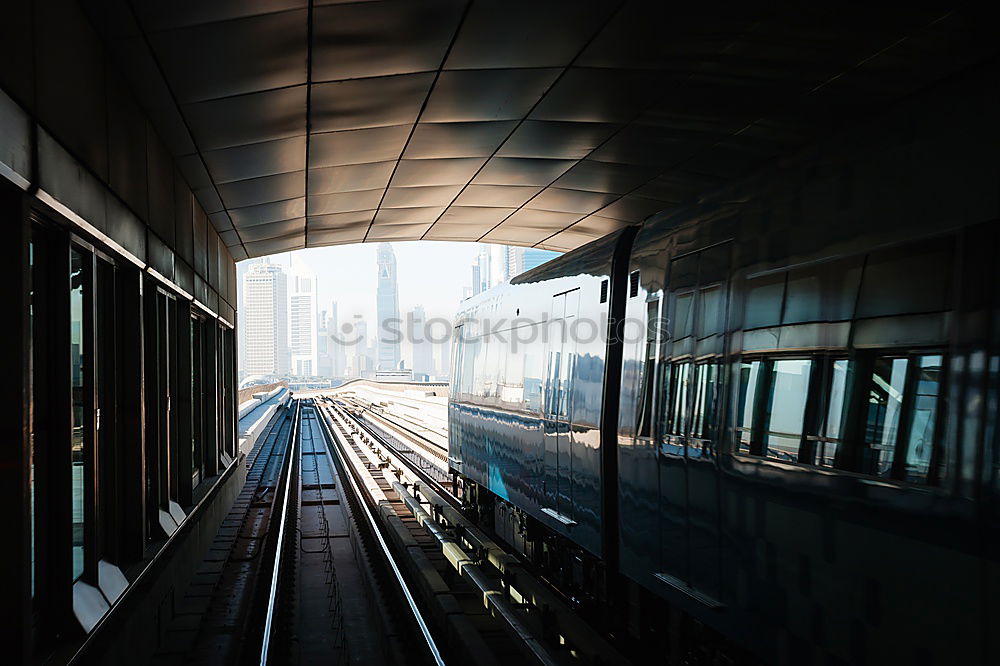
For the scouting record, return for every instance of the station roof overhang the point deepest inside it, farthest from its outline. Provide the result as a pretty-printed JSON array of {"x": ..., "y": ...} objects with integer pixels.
[{"x": 309, "y": 123}]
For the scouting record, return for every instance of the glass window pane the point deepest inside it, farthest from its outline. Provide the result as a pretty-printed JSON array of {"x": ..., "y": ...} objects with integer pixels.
[
  {"x": 786, "y": 408},
  {"x": 885, "y": 402},
  {"x": 682, "y": 316},
  {"x": 749, "y": 376},
  {"x": 682, "y": 373},
  {"x": 920, "y": 439},
  {"x": 711, "y": 311},
  {"x": 838, "y": 389},
  {"x": 763, "y": 301},
  {"x": 77, "y": 438},
  {"x": 826, "y": 447}
]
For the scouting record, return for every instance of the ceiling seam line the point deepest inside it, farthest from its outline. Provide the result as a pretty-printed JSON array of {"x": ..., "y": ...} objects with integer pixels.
[
  {"x": 309, "y": 69},
  {"x": 413, "y": 127},
  {"x": 522, "y": 120},
  {"x": 173, "y": 96},
  {"x": 745, "y": 126}
]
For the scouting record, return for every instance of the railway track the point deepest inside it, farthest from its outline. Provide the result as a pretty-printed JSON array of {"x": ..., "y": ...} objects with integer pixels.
[
  {"x": 348, "y": 546},
  {"x": 538, "y": 624}
]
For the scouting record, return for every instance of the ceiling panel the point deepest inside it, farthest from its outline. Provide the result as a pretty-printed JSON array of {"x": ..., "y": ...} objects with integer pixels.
[
  {"x": 227, "y": 58},
  {"x": 525, "y": 33},
  {"x": 345, "y": 202},
  {"x": 475, "y": 215},
  {"x": 242, "y": 193},
  {"x": 382, "y": 38},
  {"x": 605, "y": 177},
  {"x": 378, "y": 144},
  {"x": 413, "y": 173},
  {"x": 489, "y": 94},
  {"x": 268, "y": 212},
  {"x": 273, "y": 230},
  {"x": 528, "y": 122},
  {"x": 354, "y": 220},
  {"x": 371, "y": 102},
  {"x": 407, "y": 197},
  {"x": 329, "y": 180},
  {"x": 295, "y": 241},
  {"x": 521, "y": 171},
  {"x": 157, "y": 15},
  {"x": 396, "y": 232},
  {"x": 496, "y": 195},
  {"x": 253, "y": 118},
  {"x": 570, "y": 201},
  {"x": 424, "y": 215},
  {"x": 257, "y": 159},
  {"x": 431, "y": 140},
  {"x": 549, "y": 139}
]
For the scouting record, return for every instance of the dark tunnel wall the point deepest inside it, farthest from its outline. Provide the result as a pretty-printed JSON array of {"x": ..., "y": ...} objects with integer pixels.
[{"x": 72, "y": 128}]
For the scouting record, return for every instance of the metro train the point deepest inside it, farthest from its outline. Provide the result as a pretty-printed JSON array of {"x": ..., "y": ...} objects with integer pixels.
[{"x": 760, "y": 428}]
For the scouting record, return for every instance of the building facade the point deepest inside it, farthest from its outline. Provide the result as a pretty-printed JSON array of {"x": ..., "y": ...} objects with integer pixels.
[
  {"x": 388, "y": 310},
  {"x": 265, "y": 317},
  {"x": 302, "y": 322}
]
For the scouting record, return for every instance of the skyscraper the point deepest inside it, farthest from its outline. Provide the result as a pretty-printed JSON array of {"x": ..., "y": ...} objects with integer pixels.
[
  {"x": 336, "y": 356},
  {"x": 423, "y": 349},
  {"x": 265, "y": 315},
  {"x": 387, "y": 310},
  {"x": 302, "y": 321},
  {"x": 532, "y": 257}
]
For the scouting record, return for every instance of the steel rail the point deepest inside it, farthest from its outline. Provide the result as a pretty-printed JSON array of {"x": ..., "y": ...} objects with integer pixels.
[
  {"x": 276, "y": 572},
  {"x": 373, "y": 524},
  {"x": 413, "y": 467}
]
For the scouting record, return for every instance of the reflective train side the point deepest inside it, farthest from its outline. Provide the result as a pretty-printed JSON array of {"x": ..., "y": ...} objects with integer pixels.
[{"x": 803, "y": 453}]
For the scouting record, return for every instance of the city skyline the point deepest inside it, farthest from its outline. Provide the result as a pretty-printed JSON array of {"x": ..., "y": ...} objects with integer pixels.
[{"x": 344, "y": 292}]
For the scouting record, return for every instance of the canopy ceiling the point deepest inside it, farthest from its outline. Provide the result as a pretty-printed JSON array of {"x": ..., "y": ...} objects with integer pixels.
[{"x": 539, "y": 123}]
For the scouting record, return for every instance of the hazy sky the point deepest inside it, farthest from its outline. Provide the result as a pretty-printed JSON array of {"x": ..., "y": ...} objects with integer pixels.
[{"x": 430, "y": 273}]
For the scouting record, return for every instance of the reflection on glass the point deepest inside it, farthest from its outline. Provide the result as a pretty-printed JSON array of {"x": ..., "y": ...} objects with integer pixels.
[
  {"x": 749, "y": 375},
  {"x": 681, "y": 327},
  {"x": 920, "y": 439},
  {"x": 826, "y": 447},
  {"x": 682, "y": 377},
  {"x": 885, "y": 404},
  {"x": 786, "y": 408},
  {"x": 77, "y": 441},
  {"x": 711, "y": 311}
]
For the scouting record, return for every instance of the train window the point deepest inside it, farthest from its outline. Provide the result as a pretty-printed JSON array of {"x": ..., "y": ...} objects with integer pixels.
[
  {"x": 683, "y": 315},
  {"x": 680, "y": 380},
  {"x": 750, "y": 375},
  {"x": 764, "y": 301},
  {"x": 885, "y": 407},
  {"x": 826, "y": 443},
  {"x": 711, "y": 311},
  {"x": 649, "y": 369},
  {"x": 786, "y": 405},
  {"x": 824, "y": 292},
  {"x": 928, "y": 372},
  {"x": 703, "y": 413},
  {"x": 80, "y": 437}
]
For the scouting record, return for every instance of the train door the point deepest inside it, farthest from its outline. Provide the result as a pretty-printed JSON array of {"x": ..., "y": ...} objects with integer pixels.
[
  {"x": 689, "y": 436},
  {"x": 561, "y": 356}
]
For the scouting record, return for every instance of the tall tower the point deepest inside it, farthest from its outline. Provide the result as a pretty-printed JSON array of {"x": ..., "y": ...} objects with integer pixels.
[
  {"x": 265, "y": 315},
  {"x": 423, "y": 350},
  {"x": 335, "y": 347},
  {"x": 389, "y": 324},
  {"x": 302, "y": 321}
]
